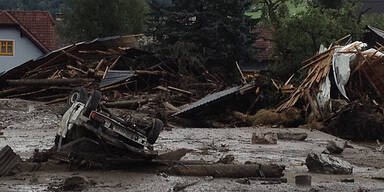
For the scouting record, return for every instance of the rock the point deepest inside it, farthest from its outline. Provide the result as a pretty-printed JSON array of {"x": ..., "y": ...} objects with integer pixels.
[
  {"x": 327, "y": 164},
  {"x": 335, "y": 147},
  {"x": 244, "y": 181},
  {"x": 228, "y": 159},
  {"x": 264, "y": 138},
  {"x": 292, "y": 136},
  {"x": 75, "y": 183}
]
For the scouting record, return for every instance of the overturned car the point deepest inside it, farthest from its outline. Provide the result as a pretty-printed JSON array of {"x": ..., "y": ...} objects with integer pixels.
[{"x": 88, "y": 127}]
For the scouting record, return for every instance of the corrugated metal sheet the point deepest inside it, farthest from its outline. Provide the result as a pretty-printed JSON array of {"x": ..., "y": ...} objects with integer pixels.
[
  {"x": 8, "y": 160},
  {"x": 215, "y": 97},
  {"x": 115, "y": 76},
  {"x": 377, "y": 31}
]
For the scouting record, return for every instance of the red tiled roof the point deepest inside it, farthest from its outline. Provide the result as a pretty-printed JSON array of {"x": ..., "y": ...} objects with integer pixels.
[{"x": 38, "y": 26}]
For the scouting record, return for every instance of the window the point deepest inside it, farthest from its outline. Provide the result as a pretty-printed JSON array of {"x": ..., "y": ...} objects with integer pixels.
[{"x": 6, "y": 48}]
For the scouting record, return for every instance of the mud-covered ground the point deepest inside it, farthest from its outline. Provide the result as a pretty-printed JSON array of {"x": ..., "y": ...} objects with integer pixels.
[{"x": 27, "y": 126}]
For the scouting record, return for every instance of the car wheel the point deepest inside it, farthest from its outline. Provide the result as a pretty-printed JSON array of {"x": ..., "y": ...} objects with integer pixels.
[
  {"x": 77, "y": 95},
  {"x": 154, "y": 132},
  {"x": 92, "y": 103}
]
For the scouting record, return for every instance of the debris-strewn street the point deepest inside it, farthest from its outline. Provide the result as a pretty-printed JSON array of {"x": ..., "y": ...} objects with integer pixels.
[
  {"x": 194, "y": 103},
  {"x": 29, "y": 125}
]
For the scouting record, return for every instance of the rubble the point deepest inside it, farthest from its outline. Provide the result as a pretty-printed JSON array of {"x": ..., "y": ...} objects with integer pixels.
[
  {"x": 358, "y": 122},
  {"x": 326, "y": 164},
  {"x": 260, "y": 137}
]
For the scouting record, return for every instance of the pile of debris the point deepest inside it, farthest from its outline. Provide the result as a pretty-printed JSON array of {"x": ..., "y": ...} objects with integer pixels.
[
  {"x": 337, "y": 76},
  {"x": 133, "y": 79}
]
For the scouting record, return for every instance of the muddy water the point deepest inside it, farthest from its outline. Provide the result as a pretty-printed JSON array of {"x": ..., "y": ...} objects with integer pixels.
[{"x": 32, "y": 125}]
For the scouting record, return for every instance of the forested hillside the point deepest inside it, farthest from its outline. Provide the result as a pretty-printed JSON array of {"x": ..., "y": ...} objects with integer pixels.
[{"x": 53, "y": 6}]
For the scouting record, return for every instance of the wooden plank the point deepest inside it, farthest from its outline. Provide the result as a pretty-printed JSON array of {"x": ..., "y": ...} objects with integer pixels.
[
  {"x": 46, "y": 81},
  {"x": 179, "y": 90}
]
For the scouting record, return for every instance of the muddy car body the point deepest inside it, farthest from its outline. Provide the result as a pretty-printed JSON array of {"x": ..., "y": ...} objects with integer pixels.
[{"x": 86, "y": 122}]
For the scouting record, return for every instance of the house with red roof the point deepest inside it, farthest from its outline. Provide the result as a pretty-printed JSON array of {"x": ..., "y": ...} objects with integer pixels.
[{"x": 24, "y": 35}]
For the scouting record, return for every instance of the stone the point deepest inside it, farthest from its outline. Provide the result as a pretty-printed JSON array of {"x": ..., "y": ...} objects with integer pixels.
[
  {"x": 327, "y": 164},
  {"x": 228, "y": 159},
  {"x": 334, "y": 147},
  {"x": 264, "y": 138}
]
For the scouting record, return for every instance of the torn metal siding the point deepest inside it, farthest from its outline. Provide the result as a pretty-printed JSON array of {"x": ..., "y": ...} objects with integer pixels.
[
  {"x": 115, "y": 76},
  {"x": 215, "y": 97}
]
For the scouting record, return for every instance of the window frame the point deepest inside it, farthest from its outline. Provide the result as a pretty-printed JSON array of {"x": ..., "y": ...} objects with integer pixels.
[{"x": 6, "y": 53}]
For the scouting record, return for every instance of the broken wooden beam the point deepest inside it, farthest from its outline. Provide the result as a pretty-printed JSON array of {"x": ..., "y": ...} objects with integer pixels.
[
  {"x": 179, "y": 90},
  {"x": 47, "y": 81},
  {"x": 230, "y": 170},
  {"x": 157, "y": 73},
  {"x": 134, "y": 104}
]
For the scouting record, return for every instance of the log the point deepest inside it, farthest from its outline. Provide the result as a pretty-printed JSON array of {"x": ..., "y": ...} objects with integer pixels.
[
  {"x": 73, "y": 56},
  {"x": 179, "y": 90},
  {"x": 114, "y": 63},
  {"x": 47, "y": 81},
  {"x": 292, "y": 136},
  {"x": 171, "y": 107},
  {"x": 229, "y": 170},
  {"x": 99, "y": 64},
  {"x": 126, "y": 104},
  {"x": 157, "y": 73}
]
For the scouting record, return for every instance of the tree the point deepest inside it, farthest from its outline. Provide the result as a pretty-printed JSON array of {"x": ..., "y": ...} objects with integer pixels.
[
  {"x": 203, "y": 35},
  {"x": 88, "y": 19},
  {"x": 298, "y": 36},
  {"x": 53, "y": 6}
]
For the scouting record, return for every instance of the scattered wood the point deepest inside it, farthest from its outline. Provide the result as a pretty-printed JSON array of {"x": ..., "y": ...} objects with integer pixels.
[
  {"x": 131, "y": 104},
  {"x": 171, "y": 107},
  {"x": 40, "y": 82},
  {"x": 179, "y": 90}
]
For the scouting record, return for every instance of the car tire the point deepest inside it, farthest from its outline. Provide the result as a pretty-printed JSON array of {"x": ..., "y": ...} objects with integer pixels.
[
  {"x": 154, "y": 132},
  {"x": 92, "y": 103},
  {"x": 77, "y": 95}
]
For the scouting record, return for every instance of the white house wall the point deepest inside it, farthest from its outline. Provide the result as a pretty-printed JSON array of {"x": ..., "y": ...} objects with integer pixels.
[{"x": 24, "y": 49}]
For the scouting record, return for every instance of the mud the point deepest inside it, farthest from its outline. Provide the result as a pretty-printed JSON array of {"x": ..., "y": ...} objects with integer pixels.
[{"x": 32, "y": 125}]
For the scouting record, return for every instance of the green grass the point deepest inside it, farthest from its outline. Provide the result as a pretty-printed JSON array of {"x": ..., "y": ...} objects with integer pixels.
[{"x": 293, "y": 9}]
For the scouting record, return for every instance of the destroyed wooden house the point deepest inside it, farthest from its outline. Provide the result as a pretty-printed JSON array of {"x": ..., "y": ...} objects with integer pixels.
[
  {"x": 344, "y": 89},
  {"x": 338, "y": 66},
  {"x": 52, "y": 76}
]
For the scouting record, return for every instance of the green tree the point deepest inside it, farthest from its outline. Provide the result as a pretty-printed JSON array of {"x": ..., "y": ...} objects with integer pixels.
[
  {"x": 88, "y": 19},
  {"x": 298, "y": 36},
  {"x": 199, "y": 35}
]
